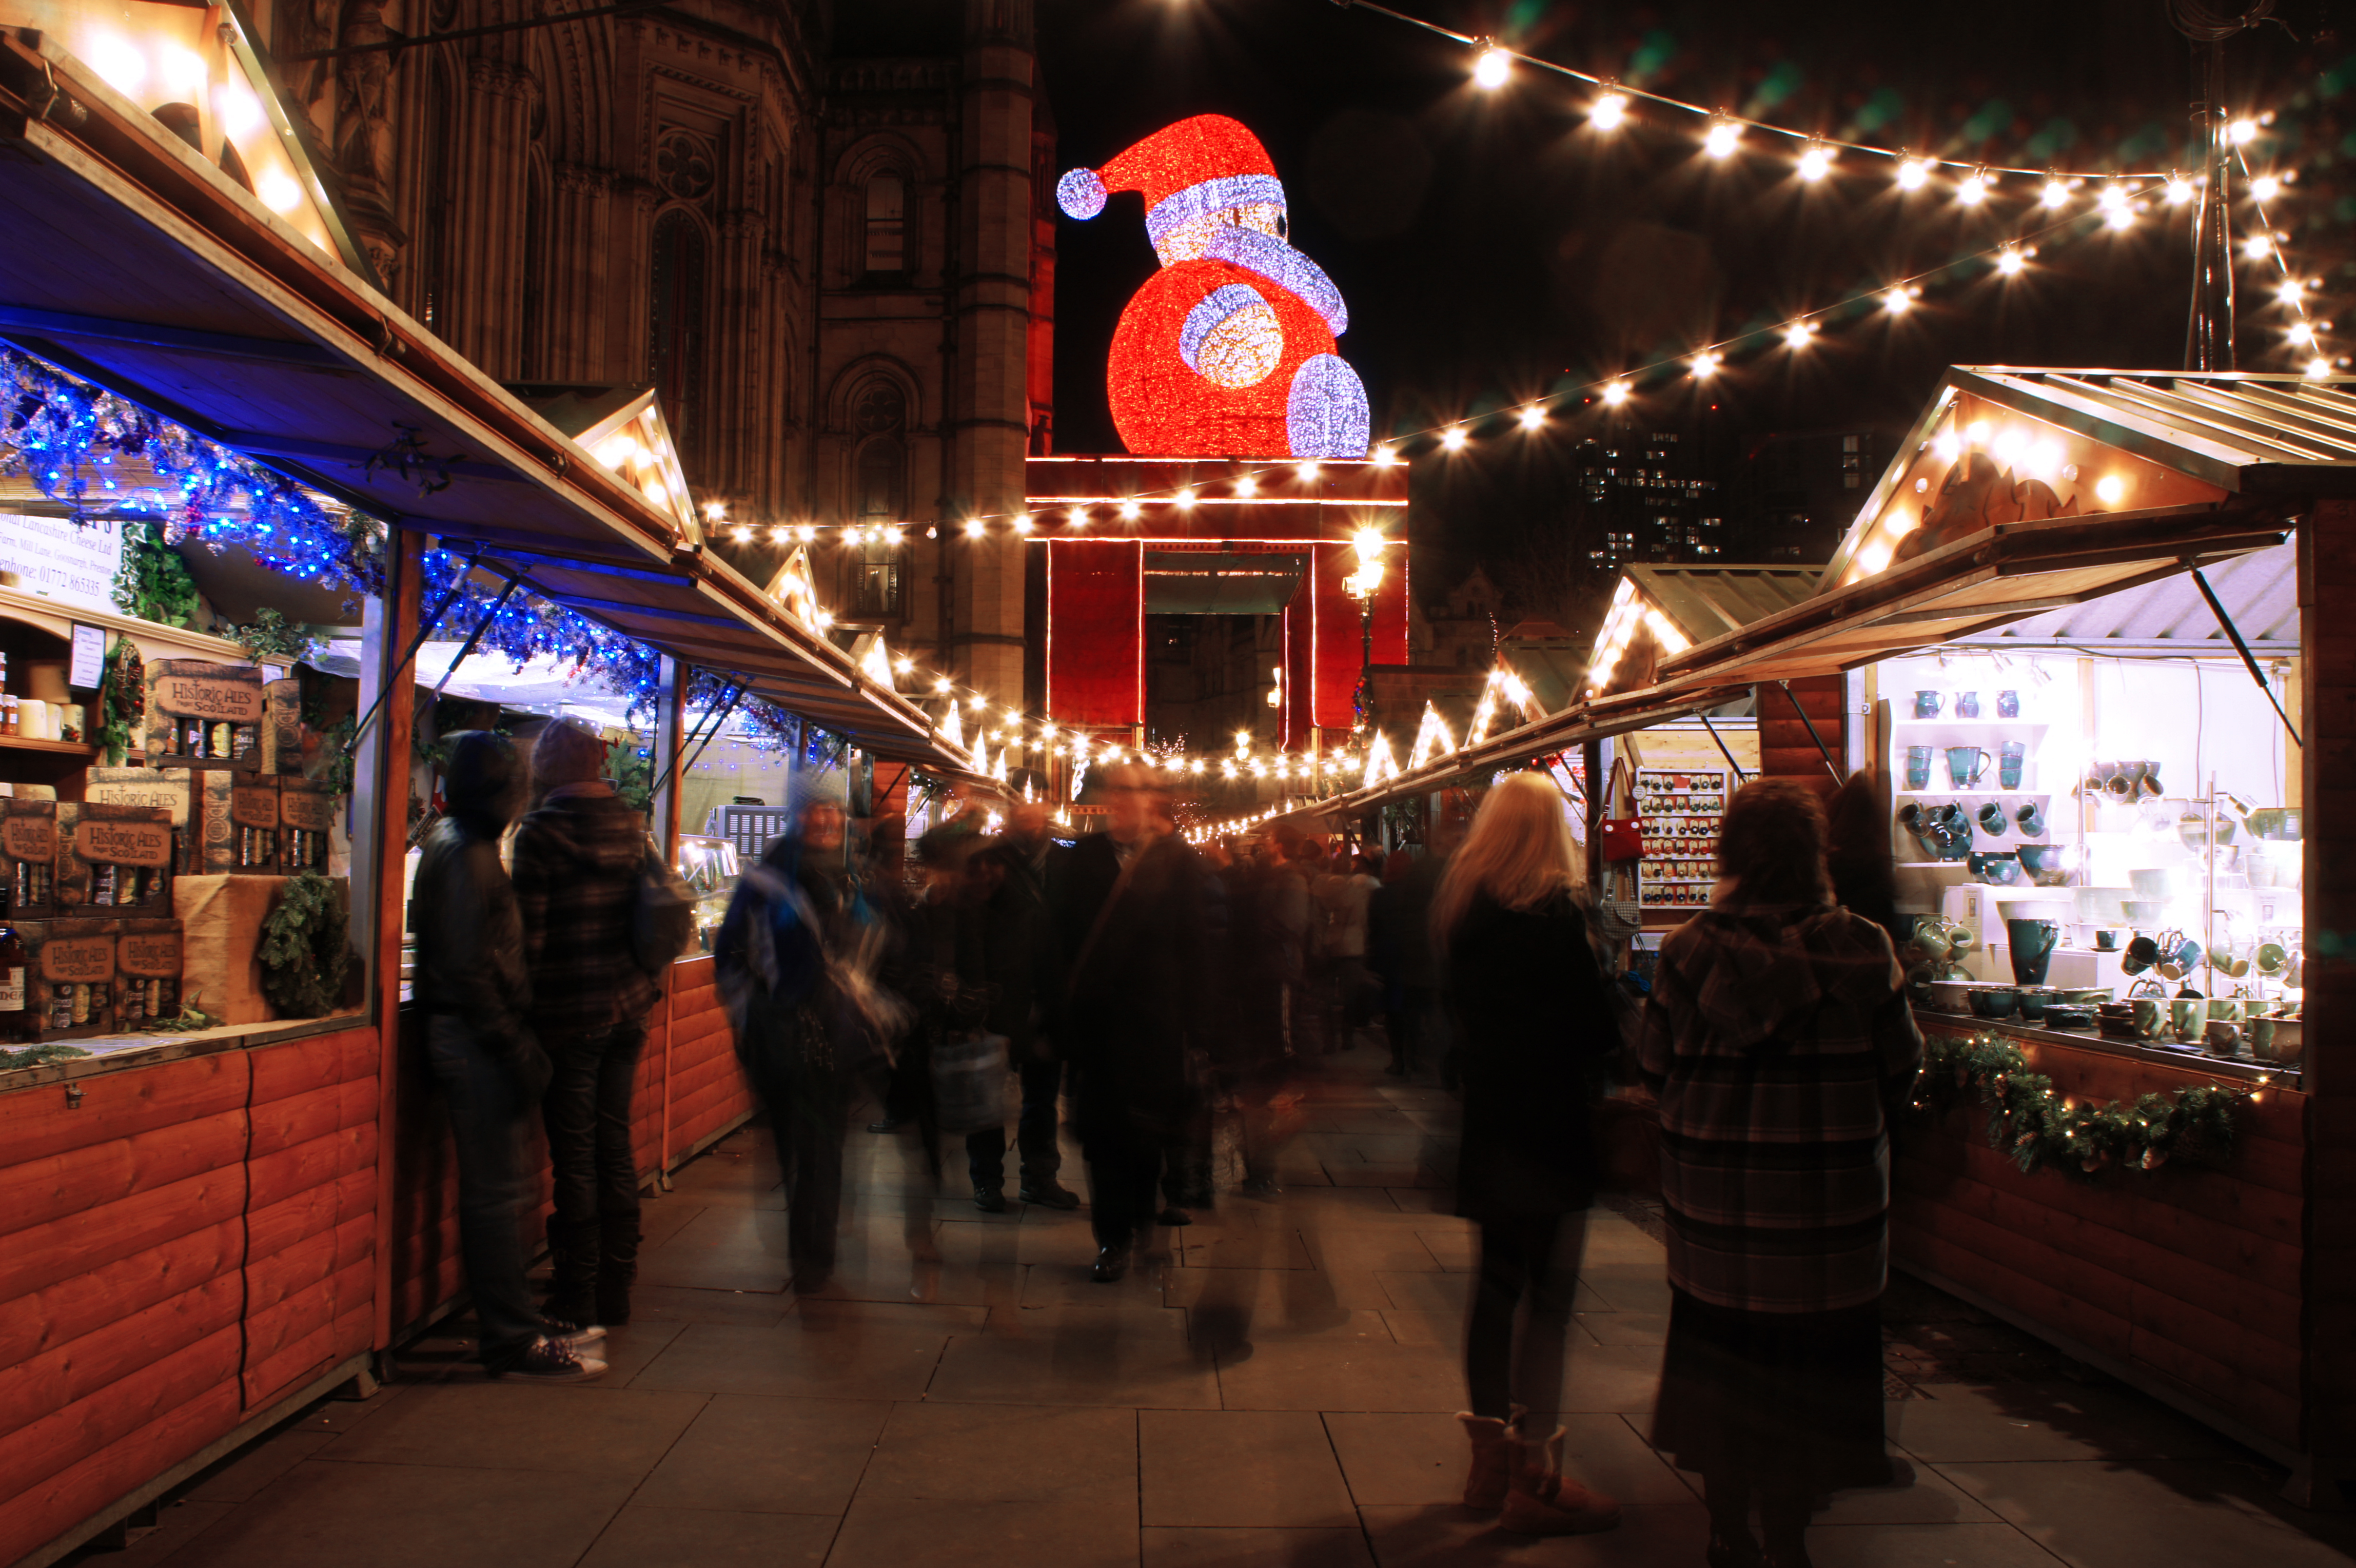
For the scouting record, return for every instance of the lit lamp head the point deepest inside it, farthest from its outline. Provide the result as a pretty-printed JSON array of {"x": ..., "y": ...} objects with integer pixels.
[{"x": 1368, "y": 544}]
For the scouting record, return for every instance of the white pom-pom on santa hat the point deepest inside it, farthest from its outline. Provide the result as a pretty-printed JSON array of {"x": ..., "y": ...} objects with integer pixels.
[{"x": 1080, "y": 194}]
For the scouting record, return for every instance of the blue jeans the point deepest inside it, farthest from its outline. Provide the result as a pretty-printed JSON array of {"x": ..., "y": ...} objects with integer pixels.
[
  {"x": 486, "y": 1111},
  {"x": 1034, "y": 1134}
]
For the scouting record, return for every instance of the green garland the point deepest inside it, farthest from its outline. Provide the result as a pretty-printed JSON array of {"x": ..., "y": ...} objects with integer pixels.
[
  {"x": 305, "y": 947},
  {"x": 33, "y": 1056},
  {"x": 272, "y": 639},
  {"x": 153, "y": 582},
  {"x": 2039, "y": 1127}
]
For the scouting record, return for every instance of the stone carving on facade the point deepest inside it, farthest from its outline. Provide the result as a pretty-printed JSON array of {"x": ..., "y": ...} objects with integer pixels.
[{"x": 686, "y": 167}]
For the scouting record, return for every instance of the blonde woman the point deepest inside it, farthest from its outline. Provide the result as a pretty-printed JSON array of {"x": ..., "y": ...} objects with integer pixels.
[{"x": 1509, "y": 924}]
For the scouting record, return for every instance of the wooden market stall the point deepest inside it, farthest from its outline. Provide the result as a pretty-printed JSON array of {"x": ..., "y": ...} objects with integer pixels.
[
  {"x": 2115, "y": 565},
  {"x": 201, "y": 1232}
]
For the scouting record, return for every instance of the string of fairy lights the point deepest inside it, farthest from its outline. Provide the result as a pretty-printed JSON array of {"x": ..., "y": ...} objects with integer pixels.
[{"x": 2073, "y": 201}]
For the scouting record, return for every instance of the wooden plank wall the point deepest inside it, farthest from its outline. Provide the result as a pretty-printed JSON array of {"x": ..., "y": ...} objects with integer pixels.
[
  {"x": 1785, "y": 750},
  {"x": 2189, "y": 1277},
  {"x": 188, "y": 1243}
]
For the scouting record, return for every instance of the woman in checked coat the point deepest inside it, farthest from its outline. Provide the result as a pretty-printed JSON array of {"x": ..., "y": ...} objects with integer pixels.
[{"x": 1779, "y": 1040}]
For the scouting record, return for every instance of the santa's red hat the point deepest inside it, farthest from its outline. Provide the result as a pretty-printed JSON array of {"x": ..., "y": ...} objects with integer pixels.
[{"x": 1183, "y": 170}]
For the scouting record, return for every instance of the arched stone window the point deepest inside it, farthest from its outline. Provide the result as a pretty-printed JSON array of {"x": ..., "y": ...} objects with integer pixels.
[
  {"x": 886, "y": 247},
  {"x": 879, "y": 496},
  {"x": 675, "y": 321}
]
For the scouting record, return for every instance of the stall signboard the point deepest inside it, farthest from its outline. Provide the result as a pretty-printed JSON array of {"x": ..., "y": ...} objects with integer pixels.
[
  {"x": 29, "y": 856},
  {"x": 72, "y": 975},
  {"x": 57, "y": 558},
  {"x": 117, "y": 858},
  {"x": 206, "y": 714}
]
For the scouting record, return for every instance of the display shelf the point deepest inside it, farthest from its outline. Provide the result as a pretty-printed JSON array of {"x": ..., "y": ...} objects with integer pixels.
[
  {"x": 81, "y": 749},
  {"x": 1976, "y": 792}
]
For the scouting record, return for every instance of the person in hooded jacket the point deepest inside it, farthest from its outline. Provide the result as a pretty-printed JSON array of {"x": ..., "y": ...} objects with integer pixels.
[
  {"x": 1779, "y": 1041},
  {"x": 793, "y": 964},
  {"x": 476, "y": 993},
  {"x": 1510, "y": 931},
  {"x": 577, "y": 860}
]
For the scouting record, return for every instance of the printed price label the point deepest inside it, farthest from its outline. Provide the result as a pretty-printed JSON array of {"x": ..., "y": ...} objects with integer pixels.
[
  {"x": 77, "y": 960},
  {"x": 123, "y": 844},
  {"x": 210, "y": 697}
]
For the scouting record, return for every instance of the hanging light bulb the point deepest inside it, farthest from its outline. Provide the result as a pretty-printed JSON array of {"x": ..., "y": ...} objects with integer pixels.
[
  {"x": 1973, "y": 189},
  {"x": 2242, "y": 132},
  {"x": 2009, "y": 262},
  {"x": 2266, "y": 187},
  {"x": 2300, "y": 332},
  {"x": 1609, "y": 110},
  {"x": 1723, "y": 137},
  {"x": 1079, "y": 516},
  {"x": 1705, "y": 364},
  {"x": 2318, "y": 369},
  {"x": 2289, "y": 291},
  {"x": 1797, "y": 334},
  {"x": 1386, "y": 457},
  {"x": 2258, "y": 247},
  {"x": 1185, "y": 497},
  {"x": 1913, "y": 173},
  {"x": 2056, "y": 191},
  {"x": 1816, "y": 162},
  {"x": 1897, "y": 299},
  {"x": 1616, "y": 393},
  {"x": 973, "y": 527},
  {"x": 1533, "y": 415},
  {"x": 1454, "y": 438},
  {"x": 1491, "y": 65},
  {"x": 1247, "y": 487},
  {"x": 2178, "y": 190},
  {"x": 1022, "y": 522},
  {"x": 1306, "y": 472}
]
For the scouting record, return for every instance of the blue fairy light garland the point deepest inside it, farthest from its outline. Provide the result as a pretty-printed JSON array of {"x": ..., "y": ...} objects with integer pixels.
[{"x": 69, "y": 437}]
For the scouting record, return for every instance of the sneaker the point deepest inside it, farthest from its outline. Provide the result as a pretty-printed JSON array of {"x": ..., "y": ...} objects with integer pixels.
[
  {"x": 547, "y": 1360},
  {"x": 571, "y": 1335},
  {"x": 990, "y": 1199},
  {"x": 1110, "y": 1264},
  {"x": 1049, "y": 1194}
]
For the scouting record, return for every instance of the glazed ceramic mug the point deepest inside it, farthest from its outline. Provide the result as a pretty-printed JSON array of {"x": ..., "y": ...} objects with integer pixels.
[
  {"x": 2189, "y": 1020},
  {"x": 2011, "y": 760},
  {"x": 1966, "y": 765},
  {"x": 1927, "y": 704},
  {"x": 2031, "y": 821},
  {"x": 1967, "y": 705},
  {"x": 2141, "y": 954},
  {"x": 2007, "y": 704},
  {"x": 1997, "y": 870},
  {"x": 2151, "y": 1017},
  {"x": 1992, "y": 819},
  {"x": 2224, "y": 1038},
  {"x": 1918, "y": 767}
]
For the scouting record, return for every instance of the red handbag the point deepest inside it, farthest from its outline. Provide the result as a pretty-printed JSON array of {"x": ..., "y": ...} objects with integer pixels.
[{"x": 1619, "y": 838}]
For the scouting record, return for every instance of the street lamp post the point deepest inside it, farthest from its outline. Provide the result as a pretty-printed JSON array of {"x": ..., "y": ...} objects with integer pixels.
[{"x": 1361, "y": 585}]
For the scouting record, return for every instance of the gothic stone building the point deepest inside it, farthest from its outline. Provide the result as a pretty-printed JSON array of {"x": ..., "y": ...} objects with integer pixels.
[{"x": 824, "y": 234}]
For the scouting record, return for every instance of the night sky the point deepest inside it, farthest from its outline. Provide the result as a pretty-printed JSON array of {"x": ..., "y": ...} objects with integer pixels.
[{"x": 1492, "y": 246}]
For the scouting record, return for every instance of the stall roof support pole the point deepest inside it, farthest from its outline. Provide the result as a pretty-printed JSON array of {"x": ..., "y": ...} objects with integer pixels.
[
  {"x": 476, "y": 635},
  {"x": 424, "y": 629},
  {"x": 380, "y": 819},
  {"x": 2234, "y": 634},
  {"x": 671, "y": 708},
  {"x": 1830, "y": 766},
  {"x": 1740, "y": 776},
  {"x": 719, "y": 717}
]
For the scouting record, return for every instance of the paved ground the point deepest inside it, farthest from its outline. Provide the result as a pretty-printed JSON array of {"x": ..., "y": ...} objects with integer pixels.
[{"x": 1276, "y": 1389}]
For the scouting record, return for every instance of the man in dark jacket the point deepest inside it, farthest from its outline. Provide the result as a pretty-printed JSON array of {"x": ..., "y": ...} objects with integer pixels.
[
  {"x": 1140, "y": 988},
  {"x": 1020, "y": 943},
  {"x": 577, "y": 860},
  {"x": 472, "y": 985}
]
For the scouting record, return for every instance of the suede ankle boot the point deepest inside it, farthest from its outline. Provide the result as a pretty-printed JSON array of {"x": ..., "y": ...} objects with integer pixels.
[
  {"x": 1492, "y": 1461},
  {"x": 1541, "y": 1500}
]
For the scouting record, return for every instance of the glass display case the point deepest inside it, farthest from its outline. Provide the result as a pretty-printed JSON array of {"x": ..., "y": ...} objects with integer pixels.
[{"x": 709, "y": 865}]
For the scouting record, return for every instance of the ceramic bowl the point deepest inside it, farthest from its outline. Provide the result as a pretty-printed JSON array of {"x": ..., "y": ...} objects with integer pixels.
[
  {"x": 2099, "y": 905},
  {"x": 2143, "y": 914},
  {"x": 1994, "y": 1001},
  {"x": 2157, "y": 882}
]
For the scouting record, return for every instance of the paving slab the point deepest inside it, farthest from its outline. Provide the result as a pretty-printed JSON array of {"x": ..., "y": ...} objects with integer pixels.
[
  {"x": 1196, "y": 1548},
  {"x": 1661, "y": 1535},
  {"x": 400, "y": 1516},
  {"x": 581, "y": 1429},
  {"x": 1233, "y": 1467},
  {"x": 643, "y": 1537},
  {"x": 762, "y": 1454},
  {"x": 799, "y": 1357}
]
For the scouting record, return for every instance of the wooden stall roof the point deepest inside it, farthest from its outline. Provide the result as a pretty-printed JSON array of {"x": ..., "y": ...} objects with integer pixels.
[
  {"x": 127, "y": 259},
  {"x": 2258, "y": 448},
  {"x": 1711, "y": 601}
]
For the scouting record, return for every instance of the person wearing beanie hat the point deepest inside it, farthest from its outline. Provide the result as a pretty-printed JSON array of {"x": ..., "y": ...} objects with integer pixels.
[
  {"x": 473, "y": 988},
  {"x": 577, "y": 862},
  {"x": 1229, "y": 351}
]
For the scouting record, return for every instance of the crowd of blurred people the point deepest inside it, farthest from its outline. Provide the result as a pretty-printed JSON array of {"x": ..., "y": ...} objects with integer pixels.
[{"x": 1148, "y": 992}]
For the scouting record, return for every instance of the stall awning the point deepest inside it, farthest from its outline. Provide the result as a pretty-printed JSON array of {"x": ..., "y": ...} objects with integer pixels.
[{"x": 130, "y": 260}]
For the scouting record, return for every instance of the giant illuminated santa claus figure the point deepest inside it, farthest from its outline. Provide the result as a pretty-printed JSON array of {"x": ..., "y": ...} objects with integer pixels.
[{"x": 1229, "y": 351}]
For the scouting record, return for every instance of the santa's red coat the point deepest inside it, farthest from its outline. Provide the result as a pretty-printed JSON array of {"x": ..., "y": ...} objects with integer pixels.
[{"x": 1164, "y": 408}]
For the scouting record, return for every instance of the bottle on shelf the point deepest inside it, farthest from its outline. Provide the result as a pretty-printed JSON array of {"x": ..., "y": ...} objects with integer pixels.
[{"x": 17, "y": 1020}]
